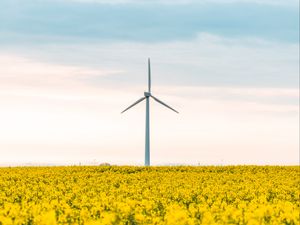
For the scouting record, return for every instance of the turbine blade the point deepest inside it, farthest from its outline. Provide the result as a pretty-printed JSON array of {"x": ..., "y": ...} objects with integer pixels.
[
  {"x": 159, "y": 101},
  {"x": 149, "y": 76},
  {"x": 138, "y": 101}
]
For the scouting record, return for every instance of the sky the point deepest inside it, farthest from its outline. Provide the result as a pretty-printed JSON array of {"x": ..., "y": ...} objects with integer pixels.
[{"x": 69, "y": 67}]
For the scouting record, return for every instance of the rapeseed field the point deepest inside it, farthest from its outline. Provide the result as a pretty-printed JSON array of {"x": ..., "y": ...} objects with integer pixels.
[{"x": 150, "y": 195}]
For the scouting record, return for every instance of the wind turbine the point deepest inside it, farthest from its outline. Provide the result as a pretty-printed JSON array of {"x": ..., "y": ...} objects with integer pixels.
[{"x": 147, "y": 96}]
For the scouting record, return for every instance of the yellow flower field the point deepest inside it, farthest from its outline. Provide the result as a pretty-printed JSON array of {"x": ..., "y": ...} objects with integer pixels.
[{"x": 150, "y": 195}]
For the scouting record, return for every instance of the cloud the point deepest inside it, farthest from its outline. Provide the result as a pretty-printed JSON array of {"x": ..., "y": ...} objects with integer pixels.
[
  {"x": 268, "y": 2},
  {"x": 207, "y": 60},
  {"x": 25, "y": 72},
  {"x": 26, "y": 22}
]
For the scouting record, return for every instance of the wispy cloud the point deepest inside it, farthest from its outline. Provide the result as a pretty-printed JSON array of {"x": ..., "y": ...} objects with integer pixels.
[
  {"x": 19, "y": 71},
  {"x": 207, "y": 60}
]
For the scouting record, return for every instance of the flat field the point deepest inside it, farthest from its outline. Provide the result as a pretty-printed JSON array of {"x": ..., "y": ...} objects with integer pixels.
[{"x": 150, "y": 195}]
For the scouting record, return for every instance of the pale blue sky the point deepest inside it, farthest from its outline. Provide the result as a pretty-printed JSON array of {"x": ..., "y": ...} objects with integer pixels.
[
  {"x": 152, "y": 22},
  {"x": 68, "y": 67}
]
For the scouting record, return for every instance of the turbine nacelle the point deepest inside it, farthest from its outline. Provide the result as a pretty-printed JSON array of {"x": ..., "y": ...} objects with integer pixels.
[{"x": 147, "y": 94}]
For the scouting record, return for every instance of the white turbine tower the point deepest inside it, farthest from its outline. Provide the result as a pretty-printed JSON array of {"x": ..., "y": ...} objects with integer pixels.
[{"x": 147, "y": 96}]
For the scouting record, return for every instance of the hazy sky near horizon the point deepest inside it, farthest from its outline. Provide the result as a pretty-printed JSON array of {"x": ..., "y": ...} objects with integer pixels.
[{"x": 69, "y": 67}]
